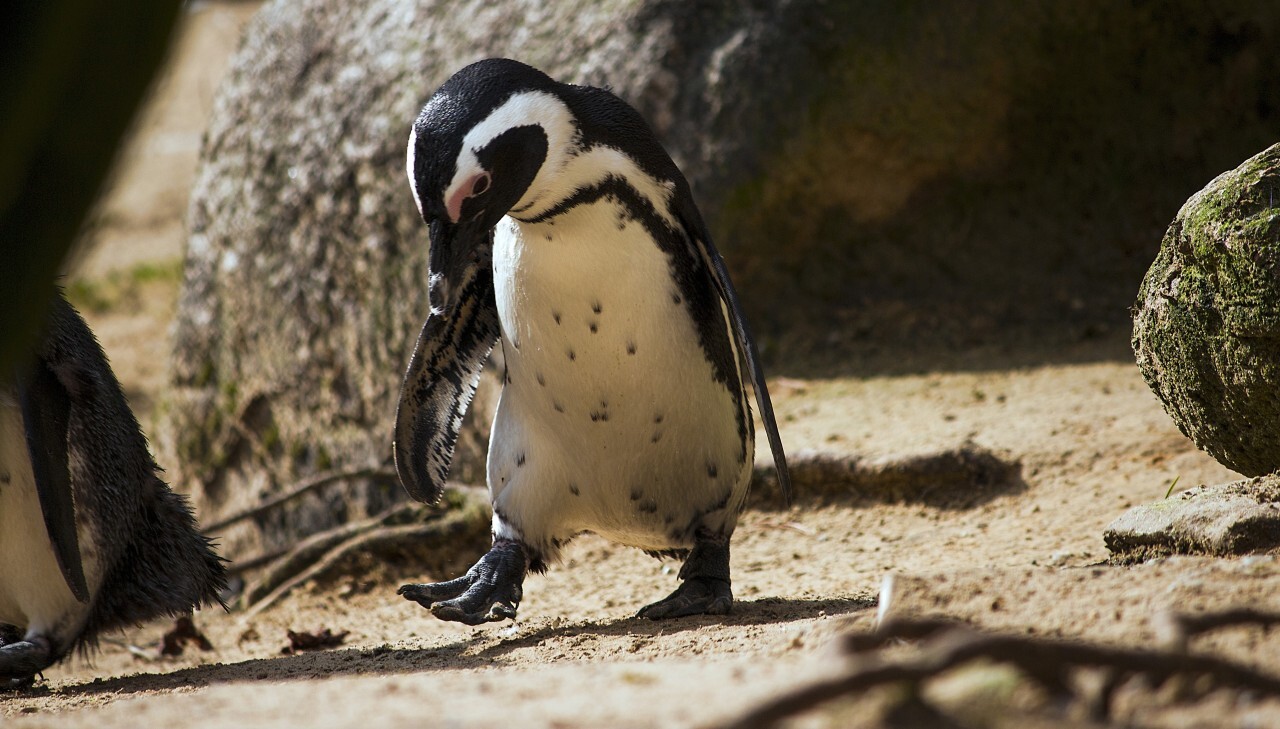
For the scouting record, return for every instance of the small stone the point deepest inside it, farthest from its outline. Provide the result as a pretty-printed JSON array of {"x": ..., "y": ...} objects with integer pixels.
[{"x": 1232, "y": 518}]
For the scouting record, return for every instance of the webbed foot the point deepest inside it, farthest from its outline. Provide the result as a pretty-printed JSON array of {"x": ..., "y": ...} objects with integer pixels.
[
  {"x": 705, "y": 589},
  {"x": 21, "y": 660},
  {"x": 488, "y": 592}
]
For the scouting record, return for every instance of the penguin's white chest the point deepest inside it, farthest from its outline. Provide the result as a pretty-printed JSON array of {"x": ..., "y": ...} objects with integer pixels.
[
  {"x": 33, "y": 593},
  {"x": 611, "y": 419}
]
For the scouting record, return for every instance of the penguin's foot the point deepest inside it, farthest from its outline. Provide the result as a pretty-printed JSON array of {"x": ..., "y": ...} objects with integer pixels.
[
  {"x": 21, "y": 660},
  {"x": 490, "y": 591},
  {"x": 706, "y": 587}
]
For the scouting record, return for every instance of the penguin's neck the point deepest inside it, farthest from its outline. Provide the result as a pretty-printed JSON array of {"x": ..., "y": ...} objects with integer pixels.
[
  {"x": 589, "y": 310},
  {"x": 591, "y": 276}
]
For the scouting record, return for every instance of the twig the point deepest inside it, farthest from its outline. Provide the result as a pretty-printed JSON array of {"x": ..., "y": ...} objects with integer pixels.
[
  {"x": 290, "y": 562},
  {"x": 303, "y": 487},
  {"x": 1177, "y": 629},
  {"x": 1044, "y": 661},
  {"x": 377, "y": 540},
  {"x": 248, "y": 564}
]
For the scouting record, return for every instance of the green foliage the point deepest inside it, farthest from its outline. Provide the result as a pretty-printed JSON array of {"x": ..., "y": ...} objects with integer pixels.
[{"x": 121, "y": 288}]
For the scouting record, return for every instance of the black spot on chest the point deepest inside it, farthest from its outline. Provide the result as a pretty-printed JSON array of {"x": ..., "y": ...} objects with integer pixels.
[{"x": 695, "y": 289}]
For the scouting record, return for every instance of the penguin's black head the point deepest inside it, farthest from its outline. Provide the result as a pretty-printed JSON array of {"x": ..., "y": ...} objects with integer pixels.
[
  {"x": 480, "y": 140},
  {"x": 476, "y": 150}
]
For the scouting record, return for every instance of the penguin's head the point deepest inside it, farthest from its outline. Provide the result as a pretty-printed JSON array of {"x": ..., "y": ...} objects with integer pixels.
[{"x": 479, "y": 149}]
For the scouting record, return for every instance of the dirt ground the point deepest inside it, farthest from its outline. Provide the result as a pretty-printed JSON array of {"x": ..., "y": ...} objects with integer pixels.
[{"x": 1090, "y": 437}]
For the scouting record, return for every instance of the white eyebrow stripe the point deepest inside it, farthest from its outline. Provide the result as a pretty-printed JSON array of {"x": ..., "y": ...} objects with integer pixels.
[
  {"x": 527, "y": 108},
  {"x": 567, "y": 168}
]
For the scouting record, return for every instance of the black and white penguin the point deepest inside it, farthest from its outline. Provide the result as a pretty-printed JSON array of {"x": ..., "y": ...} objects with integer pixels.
[
  {"x": 90, "y": 538},
  {"x": 561, "y": 228}
]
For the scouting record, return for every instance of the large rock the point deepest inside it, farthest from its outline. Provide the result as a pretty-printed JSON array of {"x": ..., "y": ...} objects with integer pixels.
[
  {"x": 843, "y": 153},
  {"x": 1206, "y": 328}
]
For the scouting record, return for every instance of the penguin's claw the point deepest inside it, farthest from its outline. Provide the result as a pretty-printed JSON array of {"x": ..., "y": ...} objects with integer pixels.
[
  {"x": 489, "y": 592},
  {"x": 705, "y": 587},
  {"x": 694, "y": 596},
  {"x": 21, "y": 660}
]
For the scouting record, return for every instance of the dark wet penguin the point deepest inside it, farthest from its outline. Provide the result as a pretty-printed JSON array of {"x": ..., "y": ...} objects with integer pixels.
[
  {"x": 562, "y": 229},
  {"x": 90, "y": 538}
]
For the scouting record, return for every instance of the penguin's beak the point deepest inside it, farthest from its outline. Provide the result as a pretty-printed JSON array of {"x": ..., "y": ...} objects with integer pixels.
[{"x": 457, "y": 251}]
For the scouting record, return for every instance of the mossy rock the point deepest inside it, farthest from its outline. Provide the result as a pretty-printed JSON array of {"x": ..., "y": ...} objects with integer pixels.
[{"x": 1206, "y": 328}]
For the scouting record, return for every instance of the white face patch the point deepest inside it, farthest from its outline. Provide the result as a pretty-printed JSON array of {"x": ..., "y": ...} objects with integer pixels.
[
  {"x": 410, "y": 154},
  {"x": 529, "y": 108},
  {"x": 567, "y": 168}
]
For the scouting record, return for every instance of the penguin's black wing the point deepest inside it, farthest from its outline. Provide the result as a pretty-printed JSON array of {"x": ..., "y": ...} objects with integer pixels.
[
  {"x": 441, "y": 381},
  {"x": 696, "y": 232},
  {"x": 46, "y": 415}
]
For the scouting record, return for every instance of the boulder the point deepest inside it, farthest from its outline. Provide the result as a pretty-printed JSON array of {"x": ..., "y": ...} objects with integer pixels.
[
  {"x": 858, "y": 164},
  {"x": 1206, "y": 327}
]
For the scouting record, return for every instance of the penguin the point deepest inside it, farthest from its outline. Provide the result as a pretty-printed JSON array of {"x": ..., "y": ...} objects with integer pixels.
[
  {"x": 91, "y": 539},
  {"x": 562, "y": 232}
]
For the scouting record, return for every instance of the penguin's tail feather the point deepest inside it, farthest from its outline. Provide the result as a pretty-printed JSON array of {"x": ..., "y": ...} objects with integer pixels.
[{"x": 168, "y": 568}]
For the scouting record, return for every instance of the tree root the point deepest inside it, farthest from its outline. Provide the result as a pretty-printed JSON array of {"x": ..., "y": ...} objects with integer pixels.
[
  {"x": 303, "y": 487},
  {"x": 405, "y": 529},
  {"x": 1046, "y": 662}
]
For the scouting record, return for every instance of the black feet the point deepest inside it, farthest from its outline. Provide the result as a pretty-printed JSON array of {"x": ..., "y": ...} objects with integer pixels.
[
  {"x": 21, "y": 660},
  {"x": 705, "y": 590},
  {"x": 490, "y": 591}
]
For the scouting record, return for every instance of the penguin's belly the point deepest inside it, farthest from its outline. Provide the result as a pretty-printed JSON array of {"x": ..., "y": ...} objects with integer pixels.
[
  {"x": 33, "y": 593},
  {"x": 611, "y": 419}
]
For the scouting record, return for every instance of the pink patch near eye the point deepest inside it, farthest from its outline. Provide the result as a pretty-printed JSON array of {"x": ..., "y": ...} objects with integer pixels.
[{"x": 477, "y": 185}]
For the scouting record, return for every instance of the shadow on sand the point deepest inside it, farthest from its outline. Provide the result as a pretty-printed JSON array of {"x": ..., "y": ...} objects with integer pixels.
[{"x": 481, "y": 649}]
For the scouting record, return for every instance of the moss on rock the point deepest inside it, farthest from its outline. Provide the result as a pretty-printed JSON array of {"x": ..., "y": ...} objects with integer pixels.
[{"x": 1206, "y": 327}]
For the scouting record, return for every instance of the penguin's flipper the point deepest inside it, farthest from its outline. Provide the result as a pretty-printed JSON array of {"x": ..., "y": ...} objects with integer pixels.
[
  {"x": 696, "y": 232},
  {"x": 440, "y": 382},
  {"x": 46, "y": 415}
]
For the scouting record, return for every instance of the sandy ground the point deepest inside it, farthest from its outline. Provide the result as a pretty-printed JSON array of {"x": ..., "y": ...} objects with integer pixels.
[{"x": 1090, "y": 438}]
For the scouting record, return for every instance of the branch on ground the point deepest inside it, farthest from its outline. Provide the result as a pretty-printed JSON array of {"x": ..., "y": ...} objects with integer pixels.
[
  {"x": 403, "y": 529},
  {"x": 1045, "y": 661},
  {"x": 302, "y": 487}
]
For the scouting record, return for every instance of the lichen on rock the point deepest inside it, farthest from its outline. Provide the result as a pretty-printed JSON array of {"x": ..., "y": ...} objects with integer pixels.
[{"x": 1206, "y": 327}]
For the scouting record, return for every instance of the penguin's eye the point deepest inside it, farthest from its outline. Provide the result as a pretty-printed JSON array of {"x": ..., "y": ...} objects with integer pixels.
[{"x": 481, "y": 185}]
